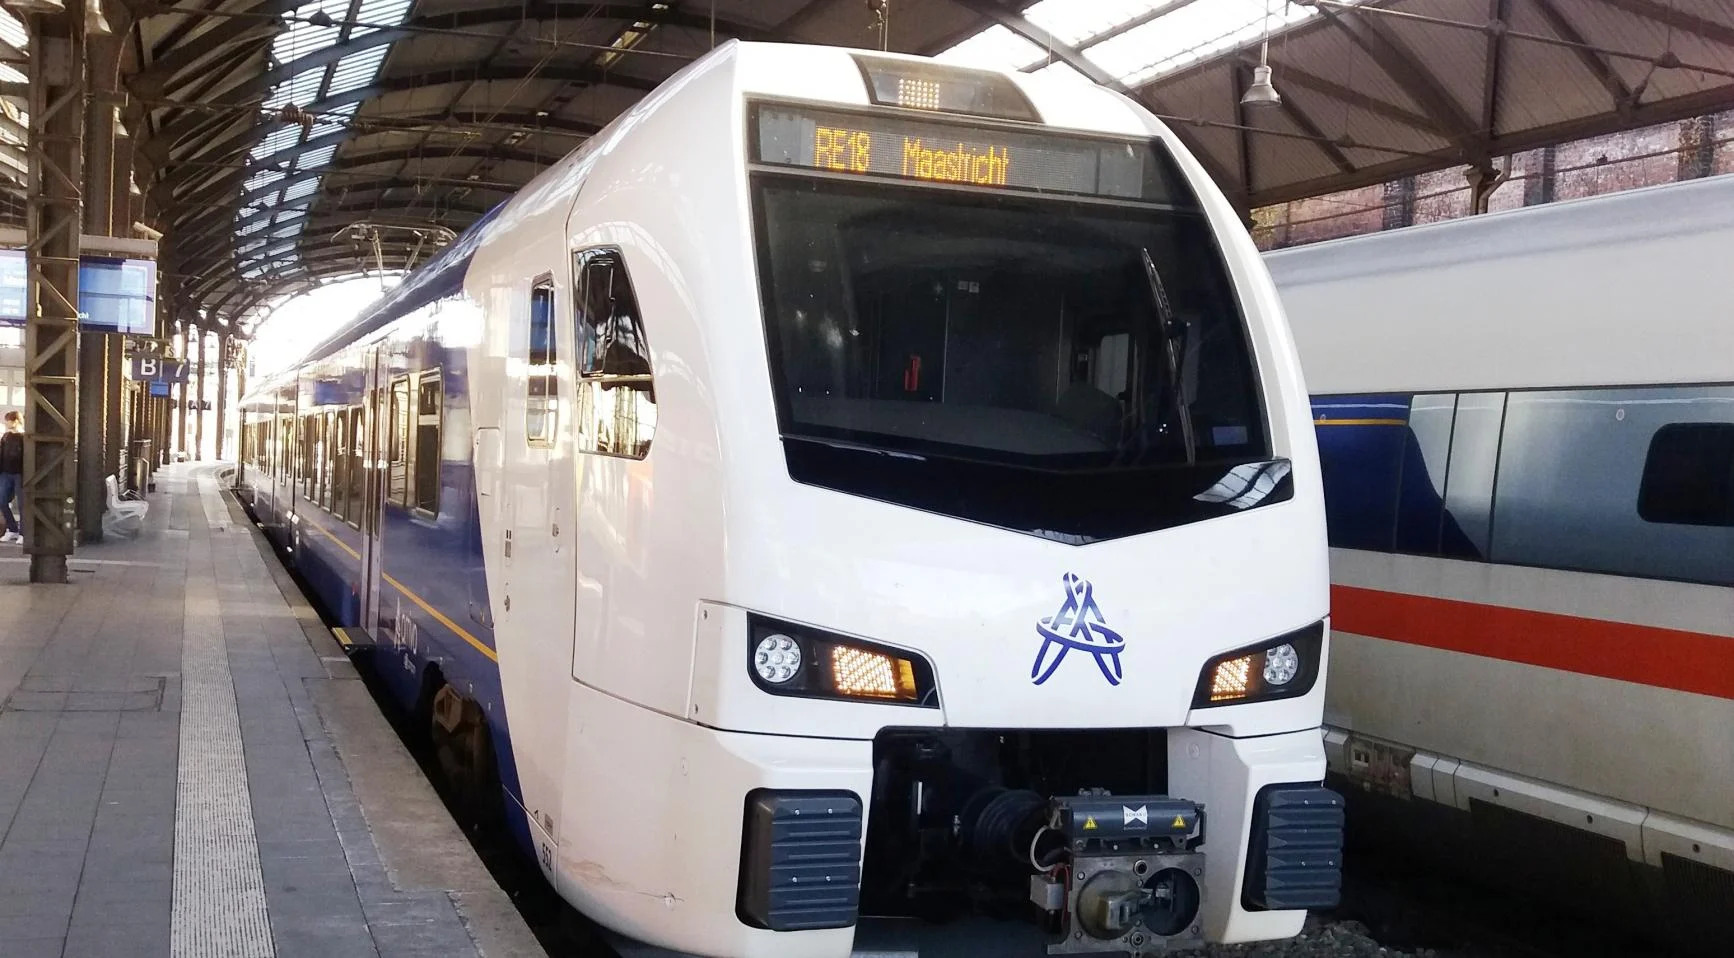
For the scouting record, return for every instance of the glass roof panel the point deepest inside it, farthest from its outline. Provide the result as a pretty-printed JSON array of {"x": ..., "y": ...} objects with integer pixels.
[
  {"x": 1075, "y": 21},
  {"x": 356, "y": 70},
  {"x": 261, "y": 179},
  {"x": 379, "y": 11},
  {"x": 1168, "y": 35},
  {"x": 13, "y": 31},
  {"x": 1188, "y": 34},
  {"x": 302, "y": 37},
  {"x": 313, "y": 159},
  {"x": 352, "y": 72},
  {"x": 996, "y": 48},
  {"x": 298, "y": 190}
]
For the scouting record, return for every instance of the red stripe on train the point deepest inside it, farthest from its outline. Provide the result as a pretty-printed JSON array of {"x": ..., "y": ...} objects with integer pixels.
[{"x": 1665, "y": 658}]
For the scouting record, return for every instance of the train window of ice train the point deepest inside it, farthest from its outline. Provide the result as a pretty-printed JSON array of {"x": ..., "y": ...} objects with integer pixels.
[
  {"x": 1689, "y": 475},
  {"x": 1623, "y": 481}
]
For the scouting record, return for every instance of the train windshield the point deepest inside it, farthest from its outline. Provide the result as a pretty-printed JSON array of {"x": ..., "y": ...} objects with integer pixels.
[{"x": 1067, "y": 367}]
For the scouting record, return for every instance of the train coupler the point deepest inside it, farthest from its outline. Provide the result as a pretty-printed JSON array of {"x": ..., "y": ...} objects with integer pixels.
[{"x": 1128, "y": 878}]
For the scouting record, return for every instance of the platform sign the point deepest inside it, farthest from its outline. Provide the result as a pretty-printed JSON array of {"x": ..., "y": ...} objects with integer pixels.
[{"x": 149, "y": 367}]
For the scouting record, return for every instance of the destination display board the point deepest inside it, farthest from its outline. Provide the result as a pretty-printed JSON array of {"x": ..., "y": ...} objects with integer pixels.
[{"x": 901, "y": 147}]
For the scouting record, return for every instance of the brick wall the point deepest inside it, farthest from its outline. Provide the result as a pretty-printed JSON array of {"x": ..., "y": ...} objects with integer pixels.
[{"x": 1648, "y": 156}]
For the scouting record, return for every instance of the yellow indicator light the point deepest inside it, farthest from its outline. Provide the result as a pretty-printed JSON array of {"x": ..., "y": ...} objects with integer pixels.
[
  {"x": 1230, "y": 680},
  {"x": 871, "y": 674},
  {"x": 917, "y": 94}
]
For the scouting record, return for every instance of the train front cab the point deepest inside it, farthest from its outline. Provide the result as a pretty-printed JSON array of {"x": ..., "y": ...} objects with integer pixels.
[{"x": 1019, "y": 588}]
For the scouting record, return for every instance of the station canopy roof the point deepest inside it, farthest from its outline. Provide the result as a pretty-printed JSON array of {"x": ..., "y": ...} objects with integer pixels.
[{"x": 280, "y": 143}]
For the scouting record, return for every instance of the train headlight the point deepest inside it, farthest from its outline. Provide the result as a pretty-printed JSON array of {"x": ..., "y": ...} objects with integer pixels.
[
  {"x": 1281, "y": 664},
  {"x": 1279, "y": 668},
  {"x": 777, "y": 658},
  {"x": 785, "y": 659}
]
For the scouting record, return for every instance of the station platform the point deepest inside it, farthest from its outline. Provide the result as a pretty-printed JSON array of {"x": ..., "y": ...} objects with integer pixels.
[{"x": 189, "y": 766}]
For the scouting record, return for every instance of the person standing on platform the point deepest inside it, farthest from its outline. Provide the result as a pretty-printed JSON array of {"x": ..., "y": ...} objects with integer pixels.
[{"x": 11, "y": 473}]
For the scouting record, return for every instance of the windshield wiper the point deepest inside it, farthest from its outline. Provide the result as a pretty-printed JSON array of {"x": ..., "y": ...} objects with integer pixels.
[{"x": 1172, "y": 329}]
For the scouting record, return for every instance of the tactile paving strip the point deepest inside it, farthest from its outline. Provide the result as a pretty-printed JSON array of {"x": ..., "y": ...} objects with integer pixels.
[{"x": 219, "y": 897}]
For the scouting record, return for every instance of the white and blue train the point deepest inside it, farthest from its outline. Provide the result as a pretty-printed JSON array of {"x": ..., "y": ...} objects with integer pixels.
[{"x": 847, "y": 492}]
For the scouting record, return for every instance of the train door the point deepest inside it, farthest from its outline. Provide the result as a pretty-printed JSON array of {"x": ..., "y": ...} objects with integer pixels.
[
  {"x": 372, "y": 433},
  {"x": 535, "y": 628}
]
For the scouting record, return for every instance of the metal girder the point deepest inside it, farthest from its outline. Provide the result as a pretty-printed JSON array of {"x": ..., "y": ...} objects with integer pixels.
[
  {"x": 308, "y": 215},
  {"x": 1404, "y": 68},
  {"x": 1302, "y": 119},
  {"x": 57, "y": 81},
  {"x": 214, "y": 236},
  {"x": 1224, "y": 180},
  {"x": 218, "y": 74},
  {"x": 216, "y": 225},
  {"x": 1296, "y": 77},
  {"x": 351, "y": 164},
  {"x": 1497, "y": 13},
  {"x": 1243, "y": 137},
  {"x": 310, "y": 261},
  {"x": 237, "y": 145},
  {"x": 184, "y": 129},
  {"x": 151, "y": 80},
  {"x": 1678, "y": 19},
  {"x": 1595, "y": 63},
  {"x": 169, "y": 62},
  {"x": 572, "y": 12},
  {"x": 1059, "y": 49}
]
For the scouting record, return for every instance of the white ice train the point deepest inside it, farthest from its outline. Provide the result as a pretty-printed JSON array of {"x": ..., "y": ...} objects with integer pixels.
[
  {"x": 848, "y": 489},
  {"x": 1526, "y": 428}
]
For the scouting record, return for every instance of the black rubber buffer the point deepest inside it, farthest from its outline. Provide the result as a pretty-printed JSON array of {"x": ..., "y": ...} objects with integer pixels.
[
  {"x": 1294, "y": 858},
  {"x": 800, "y": 860}
]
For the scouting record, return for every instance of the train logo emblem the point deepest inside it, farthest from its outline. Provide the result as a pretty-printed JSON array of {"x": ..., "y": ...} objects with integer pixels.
[{"x": 1078, "y": 625}]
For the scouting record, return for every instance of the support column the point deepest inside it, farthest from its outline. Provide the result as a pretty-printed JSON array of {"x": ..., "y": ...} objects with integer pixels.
[
  {"x": 51, "y": 331},
  {"x": 199, "y": 350},
  {"x": 180, "y": 391},
  {"x": 222, "y": 391},
  {"x": 99, "y": 125},
  {"x": 120, "y": 224}
]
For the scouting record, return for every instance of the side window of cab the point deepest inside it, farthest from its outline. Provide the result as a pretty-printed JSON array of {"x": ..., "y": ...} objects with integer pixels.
[{"x": 616, "y": 403}]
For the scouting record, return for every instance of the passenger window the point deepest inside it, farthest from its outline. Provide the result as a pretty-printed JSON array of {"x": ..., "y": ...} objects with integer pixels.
[
  {"x": 1689, "y": 475},
  {"x": 397, "y": 483},
  {"x": 541, "y": 404},
  {"x": 429, "y": 400},
  {"x": 616, "y": 402},
  {"x": 1468, "y": 520},
  {"x": 356, "y": 473},
  {"x": 337, "y": 463},
  {"x": 1612, "y": 481},
  {"x": 1426, "y": 452}
]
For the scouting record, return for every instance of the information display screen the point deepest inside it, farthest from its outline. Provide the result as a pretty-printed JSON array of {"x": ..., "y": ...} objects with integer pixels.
[
  {"x": 14, "y": 287},
  {"x": 114, "y": 295},
  {"x": 117, "y": 295},
  {"x": 938, "y": 152}
]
